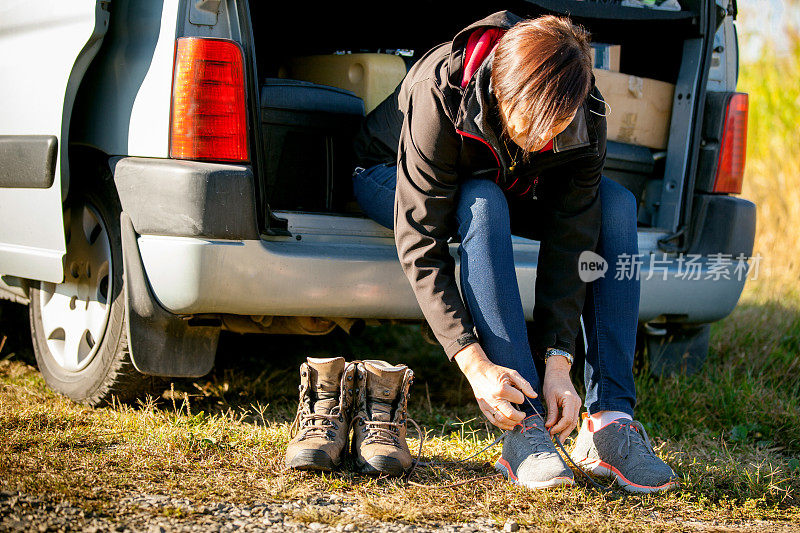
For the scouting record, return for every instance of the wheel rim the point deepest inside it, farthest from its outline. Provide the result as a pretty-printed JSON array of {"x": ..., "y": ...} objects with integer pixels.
[{"x": 75, "y": 313}]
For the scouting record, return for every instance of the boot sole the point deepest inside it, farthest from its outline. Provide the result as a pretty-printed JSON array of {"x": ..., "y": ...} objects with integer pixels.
[
  {"x": 381, "y": 465},
  {"x": 535, "y": 485},
  {"x": 603, "y": 469},
  {"x": 312, "y": 460}
]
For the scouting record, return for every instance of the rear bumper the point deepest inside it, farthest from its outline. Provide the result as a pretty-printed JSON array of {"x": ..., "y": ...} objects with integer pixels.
[
  {"x": 187, "y": 198},
  {"x": 354, "y": 272}
]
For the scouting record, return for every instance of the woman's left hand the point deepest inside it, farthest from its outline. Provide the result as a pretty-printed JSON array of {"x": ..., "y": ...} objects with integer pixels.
[{"x": 563, "y": 402}]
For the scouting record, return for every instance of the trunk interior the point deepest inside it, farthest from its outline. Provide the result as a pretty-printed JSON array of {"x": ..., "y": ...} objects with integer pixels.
[{"x": 306, "y": 128}]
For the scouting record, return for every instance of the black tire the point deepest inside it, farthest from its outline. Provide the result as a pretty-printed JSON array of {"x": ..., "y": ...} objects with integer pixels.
[{"x": 110, "y": 372}]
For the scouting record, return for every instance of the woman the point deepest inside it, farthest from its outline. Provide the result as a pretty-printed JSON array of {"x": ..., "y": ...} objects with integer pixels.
[{"x": 502, "y": 131}]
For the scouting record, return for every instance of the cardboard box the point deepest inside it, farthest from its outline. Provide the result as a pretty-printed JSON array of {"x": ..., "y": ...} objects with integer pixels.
[
  {"x": 606, "y": 56},
  {"x": 640, "y": 108}
]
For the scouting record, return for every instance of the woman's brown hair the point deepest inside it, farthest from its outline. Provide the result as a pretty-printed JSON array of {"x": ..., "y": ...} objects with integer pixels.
[{"x": 542, "y": 68}]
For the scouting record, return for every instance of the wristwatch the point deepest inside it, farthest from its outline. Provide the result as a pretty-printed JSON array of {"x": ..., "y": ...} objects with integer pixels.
[{"x": 558, "y": 351}]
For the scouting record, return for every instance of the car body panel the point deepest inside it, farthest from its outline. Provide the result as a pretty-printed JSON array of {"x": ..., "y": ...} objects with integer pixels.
[
  {"x": 124, "y": 107},
  {"x": 336, "y": 266},
  {"x": 46, "y": 52}
]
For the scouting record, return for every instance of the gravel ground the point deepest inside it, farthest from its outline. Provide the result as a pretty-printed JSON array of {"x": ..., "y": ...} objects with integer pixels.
[{"x": 157, "y": 514}]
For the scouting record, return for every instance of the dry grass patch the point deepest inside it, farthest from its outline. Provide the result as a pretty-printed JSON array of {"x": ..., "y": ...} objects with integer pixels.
[{"x": 49, "y": 445}]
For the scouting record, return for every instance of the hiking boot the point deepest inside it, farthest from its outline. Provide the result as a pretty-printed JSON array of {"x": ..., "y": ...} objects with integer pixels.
[
  {"x": 380, "y": 419},
  {"x": 622, "y": 449},
  {"x": 530, "y": 458},
  {"x": 323, "y": 415}
]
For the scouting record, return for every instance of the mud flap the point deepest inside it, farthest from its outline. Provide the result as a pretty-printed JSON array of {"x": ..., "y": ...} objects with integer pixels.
[
  {"x": 160, "y": 343},
  {"x": 678, "y": 349}
]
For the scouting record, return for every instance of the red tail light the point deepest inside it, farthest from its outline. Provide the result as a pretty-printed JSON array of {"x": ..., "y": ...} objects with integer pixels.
[
  {"x": 730, "y": 169},
  {"x": 208, "y": 118}
]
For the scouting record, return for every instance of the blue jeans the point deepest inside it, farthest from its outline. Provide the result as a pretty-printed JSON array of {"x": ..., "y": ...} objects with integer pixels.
[{"x": 486, "y": 219}]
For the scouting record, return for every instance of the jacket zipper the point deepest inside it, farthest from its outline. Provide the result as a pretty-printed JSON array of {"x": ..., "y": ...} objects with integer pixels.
[
  {"x": 533, "y": 188},
  {"x": 494, "y": 153}
]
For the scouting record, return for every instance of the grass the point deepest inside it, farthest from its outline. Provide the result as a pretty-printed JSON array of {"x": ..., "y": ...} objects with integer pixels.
[
  {"x": 732, "y": 431},
  {"x": 222, "y": 439}
]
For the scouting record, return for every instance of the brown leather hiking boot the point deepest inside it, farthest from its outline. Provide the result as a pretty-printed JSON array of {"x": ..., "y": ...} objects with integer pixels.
[
  {"x": 323, "y": 415},
  {"x": 380, "y": 419}
]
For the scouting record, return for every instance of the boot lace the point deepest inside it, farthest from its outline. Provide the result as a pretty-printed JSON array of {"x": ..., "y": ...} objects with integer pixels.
[
  {"x": 328, "y": 425},
  {"x": 304, "y": 420},
  {"x": 381, "y": 432}
]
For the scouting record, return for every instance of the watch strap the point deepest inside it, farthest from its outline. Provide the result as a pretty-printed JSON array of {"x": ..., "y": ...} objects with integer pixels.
[{"x": 558, "y": 351}]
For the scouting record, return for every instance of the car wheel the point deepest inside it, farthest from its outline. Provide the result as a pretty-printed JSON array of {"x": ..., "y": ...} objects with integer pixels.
[{"x": 79, "y": 326}]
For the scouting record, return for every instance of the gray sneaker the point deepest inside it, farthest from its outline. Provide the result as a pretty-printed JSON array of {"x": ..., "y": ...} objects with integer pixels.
[
  {"x": 622, "y": 449},
  {"x": 530, "y": 458}
]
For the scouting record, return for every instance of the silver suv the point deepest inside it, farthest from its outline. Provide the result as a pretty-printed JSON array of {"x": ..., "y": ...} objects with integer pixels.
[{"x": 169, "y": 169}]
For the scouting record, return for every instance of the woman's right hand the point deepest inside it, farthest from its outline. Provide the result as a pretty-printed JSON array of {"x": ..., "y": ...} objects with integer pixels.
[{"x": 495, "y": 387}]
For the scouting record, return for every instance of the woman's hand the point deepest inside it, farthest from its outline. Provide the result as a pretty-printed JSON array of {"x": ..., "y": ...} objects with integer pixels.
[
  {"x": 495, "y": 387},
  {"x": 563, "y": 402}
]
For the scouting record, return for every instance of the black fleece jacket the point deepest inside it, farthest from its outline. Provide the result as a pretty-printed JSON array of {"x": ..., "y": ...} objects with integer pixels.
[{"x": 438, "y": 134}]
